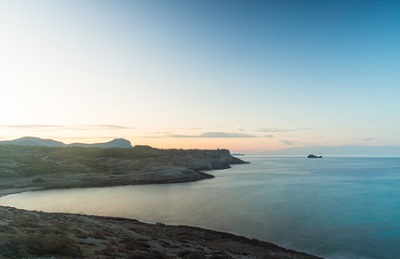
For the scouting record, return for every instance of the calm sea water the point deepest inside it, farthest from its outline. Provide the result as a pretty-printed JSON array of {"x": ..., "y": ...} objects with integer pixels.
[{"x": 336, "y": 207}]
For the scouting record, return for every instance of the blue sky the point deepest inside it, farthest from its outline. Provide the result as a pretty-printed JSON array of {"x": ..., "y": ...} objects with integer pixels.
[{"x": 250, "y": 76}]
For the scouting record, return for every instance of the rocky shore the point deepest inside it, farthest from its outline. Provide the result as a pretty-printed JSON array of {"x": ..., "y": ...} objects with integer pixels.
[
  {"x": 31, "y": 234},
  {"x": 33, "y": 168}
]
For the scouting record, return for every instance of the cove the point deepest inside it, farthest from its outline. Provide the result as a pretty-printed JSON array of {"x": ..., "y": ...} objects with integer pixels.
[{"x": 337, "y": 207}]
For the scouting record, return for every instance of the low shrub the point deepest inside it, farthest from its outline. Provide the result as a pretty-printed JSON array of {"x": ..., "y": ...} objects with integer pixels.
[
  {"x": 22, "y": 246},
  {"x": 39, "y": 180},
  {"x": 192, "y": 255}
]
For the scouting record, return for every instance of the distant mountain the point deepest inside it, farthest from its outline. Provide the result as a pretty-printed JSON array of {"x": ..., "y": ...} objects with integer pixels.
[
  {"x": 118, "y": 142},
  {"x": 339, "y": 150},
  {"x": 33, "y": 141}
]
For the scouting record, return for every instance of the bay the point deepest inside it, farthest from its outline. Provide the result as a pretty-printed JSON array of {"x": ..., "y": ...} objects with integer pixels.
[{"x": 335, "y": 207}]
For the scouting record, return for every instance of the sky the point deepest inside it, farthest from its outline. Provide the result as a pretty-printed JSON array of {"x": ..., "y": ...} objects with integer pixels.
[{"x": 250, "y": 76}]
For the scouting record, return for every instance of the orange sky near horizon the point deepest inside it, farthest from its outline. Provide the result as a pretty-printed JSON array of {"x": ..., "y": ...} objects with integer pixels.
[
  {"x": 254, "y": 141},
  {"x": 248, "y": 145},
  {"x": 252, "y": 76},
  {"x": 241, "y": 145}
]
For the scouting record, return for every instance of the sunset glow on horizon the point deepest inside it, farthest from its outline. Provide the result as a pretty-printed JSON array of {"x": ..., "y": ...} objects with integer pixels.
[{"x": 249, "y": 76}]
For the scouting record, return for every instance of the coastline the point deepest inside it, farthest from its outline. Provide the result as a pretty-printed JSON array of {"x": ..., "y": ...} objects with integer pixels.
[
  {"x": 34, "y": 234},
  {"x": 83, "y": 236},
  {"x": 170, "y": 176},
  {"x": 11, "y": 191},
  {"x": 86, "y": 236},
  {"x": 34, "y": 168}
]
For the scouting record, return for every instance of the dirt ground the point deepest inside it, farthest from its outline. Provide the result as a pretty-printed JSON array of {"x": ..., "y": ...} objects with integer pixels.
[{"x": 31, "y": 234}]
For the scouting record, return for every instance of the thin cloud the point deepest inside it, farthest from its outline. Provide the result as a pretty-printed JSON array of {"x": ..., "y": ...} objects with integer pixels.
[
  {"x": 104, "y": 127},
  {"x": 268, "y": 136},
  {"x": 85, "y": 138},
  {"x": 272, "y": 130},
  {"x": 367, "y": 139},
  {"x": 153, "y": 136},
  {"x": 33, "y": 126},
  {"x": 226, "y": 135},
  {"x": 58, "y": 127},
  {"x": 288, "y": 142},
  {"x": 216, "y": 135}
]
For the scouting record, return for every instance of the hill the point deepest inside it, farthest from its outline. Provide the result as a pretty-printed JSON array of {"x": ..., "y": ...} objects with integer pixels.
[
  {"x": 33, "y": 141},
  {"x": 72, "y": 166},
  {"x": 115, "y": 143}
]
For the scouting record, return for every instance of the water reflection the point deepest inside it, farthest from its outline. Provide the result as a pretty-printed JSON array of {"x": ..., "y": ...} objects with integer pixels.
[
  {"x": 200, "y": 204},
  {"x": 330, "y": 207}
]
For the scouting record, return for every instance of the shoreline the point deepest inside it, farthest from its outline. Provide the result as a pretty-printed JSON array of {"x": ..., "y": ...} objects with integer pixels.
[
  {"x": 63, "y": 235},
  {"x": 156, "y": 240},
  {"x": 67, "y": 235},
  {"x": 14, "y": 191},
  {"x": 99, "y": 183}
]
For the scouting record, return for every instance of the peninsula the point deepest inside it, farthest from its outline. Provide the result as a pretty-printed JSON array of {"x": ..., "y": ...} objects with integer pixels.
[
  {"x": 36, "y": 234},
  {"x": 53, "y": 167}
]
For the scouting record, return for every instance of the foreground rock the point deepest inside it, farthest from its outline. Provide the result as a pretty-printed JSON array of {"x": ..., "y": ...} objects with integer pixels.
[{"x": 27, "y": 234}]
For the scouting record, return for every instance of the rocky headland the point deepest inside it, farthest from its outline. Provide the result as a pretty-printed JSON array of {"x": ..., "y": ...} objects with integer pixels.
[
  {"x": 31, "y": 234},
  {"x": 42, "y": 167}
]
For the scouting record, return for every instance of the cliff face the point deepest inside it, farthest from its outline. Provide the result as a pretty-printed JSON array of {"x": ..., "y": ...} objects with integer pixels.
[
  {"x": 193, "y": 158},
  {"x": 209, "y": 160}
]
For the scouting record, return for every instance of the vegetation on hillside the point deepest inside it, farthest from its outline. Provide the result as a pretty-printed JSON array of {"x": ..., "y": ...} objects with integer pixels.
[
  {"x": 27, "y": 161},
  {"x": 35, "y": 161}
]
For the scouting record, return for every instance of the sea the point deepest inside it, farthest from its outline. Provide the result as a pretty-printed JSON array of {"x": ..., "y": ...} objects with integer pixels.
[{"x": 334, "y": 207}]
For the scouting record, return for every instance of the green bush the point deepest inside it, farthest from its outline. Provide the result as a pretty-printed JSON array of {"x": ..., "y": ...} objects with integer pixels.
[{"x": 38, "y": 180}]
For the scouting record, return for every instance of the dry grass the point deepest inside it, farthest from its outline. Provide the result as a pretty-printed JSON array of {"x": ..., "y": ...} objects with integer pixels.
[{"x": 17, "y": 246}]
